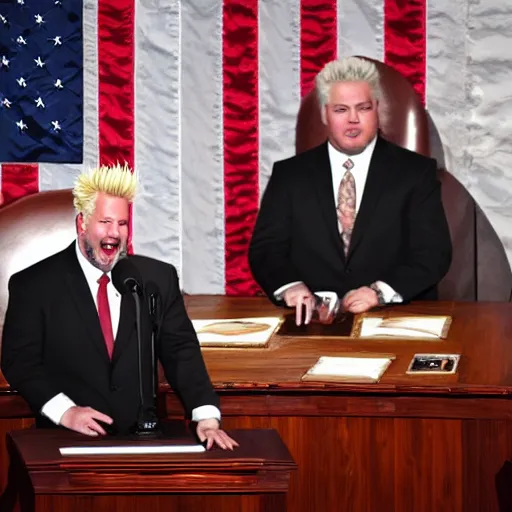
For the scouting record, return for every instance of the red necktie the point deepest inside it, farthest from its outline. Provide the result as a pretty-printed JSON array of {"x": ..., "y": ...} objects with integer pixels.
[{"x": 104, "y": 314}]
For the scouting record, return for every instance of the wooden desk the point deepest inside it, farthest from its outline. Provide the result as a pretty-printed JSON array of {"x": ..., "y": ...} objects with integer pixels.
[
  {"x": 254, "y": 477},
  {"x": 408, "y": 443}
]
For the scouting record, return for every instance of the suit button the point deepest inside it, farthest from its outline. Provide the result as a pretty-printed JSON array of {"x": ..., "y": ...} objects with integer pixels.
[
  {"x": 348, "y": 270},
  {"x": 114, "y": 388}
]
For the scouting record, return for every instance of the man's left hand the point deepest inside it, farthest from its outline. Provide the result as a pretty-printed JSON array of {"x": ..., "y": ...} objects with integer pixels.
[
  {"x": 209, "y": 431},
  {"x": 360, "y": 300}
]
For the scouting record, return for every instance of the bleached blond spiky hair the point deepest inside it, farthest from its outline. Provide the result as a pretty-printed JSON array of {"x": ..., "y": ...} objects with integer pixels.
[
  {"x": 349, "y": 69},
  {"x": 116, "y": 180}
]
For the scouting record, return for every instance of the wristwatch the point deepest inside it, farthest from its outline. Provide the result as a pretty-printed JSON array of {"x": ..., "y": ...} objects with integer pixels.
[{"x": 380, "y": 295}]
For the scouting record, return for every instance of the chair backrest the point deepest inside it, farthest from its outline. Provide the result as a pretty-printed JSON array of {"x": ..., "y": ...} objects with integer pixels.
[
  {"x": 480, "y": 268},
  {"x": 33, "y": 228}
]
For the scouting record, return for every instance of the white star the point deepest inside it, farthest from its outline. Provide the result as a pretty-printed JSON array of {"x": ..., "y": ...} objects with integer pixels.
[
  {"x": 21, "y": 125},
  {"x": 56, "y": 126},
  {"x": 58, "y": 84},
  {"x": 56, "y": 41},
  {"x": 6, "y": 103},
  {"x": 39, "y": 19},
  {"x": 5, "y": 61},
  {"x": 3, "y": 19},
  {"x": 21, "y": 82},
  {"x": 39, "y": 103},
  {"x": 21, "y": 40},
  {"x": 57, "y": 2},
  {"x": 39, "y": 62},
  {"x": 21, "y": 2}
]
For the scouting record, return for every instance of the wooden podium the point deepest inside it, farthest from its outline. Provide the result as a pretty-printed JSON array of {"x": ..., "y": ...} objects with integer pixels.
[{"x": 253, "y": 477}]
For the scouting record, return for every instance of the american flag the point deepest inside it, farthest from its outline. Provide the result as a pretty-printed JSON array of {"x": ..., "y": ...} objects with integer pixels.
[
  {"x": 41, "y": 81},
  {"x": 200, "y": 97}
]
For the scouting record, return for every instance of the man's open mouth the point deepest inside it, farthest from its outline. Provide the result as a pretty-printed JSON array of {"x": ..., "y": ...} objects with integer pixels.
[{"x": 109, "y": 248}]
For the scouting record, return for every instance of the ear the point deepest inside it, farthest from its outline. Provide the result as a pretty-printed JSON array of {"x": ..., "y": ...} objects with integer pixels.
[
  {"x": 80, "y": 224},
  {"x": 323, "y": 114}
]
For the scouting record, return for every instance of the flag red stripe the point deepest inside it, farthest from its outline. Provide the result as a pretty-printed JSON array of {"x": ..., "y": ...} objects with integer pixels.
[
  {"x": 18, "y": 180},
  {"x": 318, "y": 39},
  {"x": 116, "y": 123},
  {"x": 405, "y": 40},
  {"x": 241, "y": 140}
]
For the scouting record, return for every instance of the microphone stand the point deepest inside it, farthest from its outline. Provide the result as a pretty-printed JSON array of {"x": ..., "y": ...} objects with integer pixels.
[
  {"x": 147, "y": 423},
  {"x": 154, "y": 331}
]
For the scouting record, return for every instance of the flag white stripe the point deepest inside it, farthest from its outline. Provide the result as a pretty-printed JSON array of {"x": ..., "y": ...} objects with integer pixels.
[
  {"x": 361, "y": 28},
  {"x": 279, "y": 82},
  {"x": 91, "y": 115},
  {"x": 488, "y": 97},
  {"x": 446, "y": 86},
  {"x": 202, "y": 146},
  {"x": 156, "y": 212}
]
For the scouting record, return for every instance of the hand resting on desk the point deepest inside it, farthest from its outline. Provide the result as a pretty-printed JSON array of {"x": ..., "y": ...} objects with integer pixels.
[
  {"x": 209, "y": 431},
  {"x": 299, "y": 296},
  {"x": 360, "y": 300},
  {"x": 83, "y": 420}
]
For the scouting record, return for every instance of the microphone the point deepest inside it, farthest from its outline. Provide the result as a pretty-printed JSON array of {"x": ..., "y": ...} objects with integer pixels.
[{"x": 126, "y": 278}]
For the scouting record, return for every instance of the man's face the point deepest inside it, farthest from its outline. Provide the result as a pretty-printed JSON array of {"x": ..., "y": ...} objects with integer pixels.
[
  {"x": 104, "y": 238},
  {"x": 351, "y": 116}
]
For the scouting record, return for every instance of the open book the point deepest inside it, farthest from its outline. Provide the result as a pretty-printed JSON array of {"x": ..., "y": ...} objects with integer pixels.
[
  {"x": 236, "y": 332},
  {"x": 419, "y": 326},
  {"x": 348, "y": 369}
]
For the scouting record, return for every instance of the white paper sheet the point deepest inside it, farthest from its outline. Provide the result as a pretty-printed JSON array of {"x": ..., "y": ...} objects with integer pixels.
[
  {"x": 206, "y": 338},
  {"x": 414, "y": 327},
  {"x": 370, "y": 367},
  {"x": 129, "y": 450}
]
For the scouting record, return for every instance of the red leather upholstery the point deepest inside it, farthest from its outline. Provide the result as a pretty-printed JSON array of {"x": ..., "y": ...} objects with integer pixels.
[{"x": 32, "y": 229}]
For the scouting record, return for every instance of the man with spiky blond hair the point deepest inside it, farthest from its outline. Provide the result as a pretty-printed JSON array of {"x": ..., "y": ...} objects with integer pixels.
[
  {"x": 356, "y": 215},
  {"x": 69, "y": 339}
]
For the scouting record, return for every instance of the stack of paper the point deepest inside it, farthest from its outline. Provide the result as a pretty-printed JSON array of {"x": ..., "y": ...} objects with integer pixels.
[
  {"x": 236, "y": 332},
  {"x": 348, "y": 369},
  {"x": 421, "y": 326}
]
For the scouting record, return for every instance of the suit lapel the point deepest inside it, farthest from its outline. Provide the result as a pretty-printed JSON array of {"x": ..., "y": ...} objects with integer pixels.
[
  {"x": 84, "y": 302},
  {"x": 376, "y": 181},
  {"x": 321, "y": 182}
]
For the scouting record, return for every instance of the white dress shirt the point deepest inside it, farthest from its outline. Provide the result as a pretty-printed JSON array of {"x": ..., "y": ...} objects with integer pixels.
[
  {"x": 59, "y": 404},
  {"x": 360, "y": 172}
]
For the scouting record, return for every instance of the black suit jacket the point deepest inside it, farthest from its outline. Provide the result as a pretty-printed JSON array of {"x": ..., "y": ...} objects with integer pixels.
[
  {"x": 52, "y": 341},
  {"x": 400, "y": 233}
]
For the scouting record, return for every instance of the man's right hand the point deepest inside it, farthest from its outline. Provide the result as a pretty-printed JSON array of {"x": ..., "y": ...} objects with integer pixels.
[
  {"x": 299, "y": 295},
  {"x": 83, "y": 420}
]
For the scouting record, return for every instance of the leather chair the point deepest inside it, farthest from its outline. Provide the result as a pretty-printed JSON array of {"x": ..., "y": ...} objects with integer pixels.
[
  {"x": 480, "y": 268},
  {"x": 33, "y": 228}
]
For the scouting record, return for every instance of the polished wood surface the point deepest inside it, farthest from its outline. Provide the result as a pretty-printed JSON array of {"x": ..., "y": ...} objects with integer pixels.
[
  {"x": 260, "y": 469},
  {"x": 409, "y": 442},
  {"x": 481, "y": 332}
]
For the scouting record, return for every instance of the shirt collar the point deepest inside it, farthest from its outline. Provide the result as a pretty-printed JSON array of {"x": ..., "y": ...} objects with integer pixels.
[
  {"x": 91, "y": 273},
  {"x": 362, "y": 158}
]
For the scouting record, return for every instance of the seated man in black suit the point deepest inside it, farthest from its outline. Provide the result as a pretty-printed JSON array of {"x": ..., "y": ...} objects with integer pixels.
[
  {"x": 69, "y": 339},
  {"x": 356, "y": 215}
]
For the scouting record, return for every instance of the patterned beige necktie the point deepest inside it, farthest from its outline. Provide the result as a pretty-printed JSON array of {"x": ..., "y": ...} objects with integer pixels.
[{"x": 346, "y": 209}]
